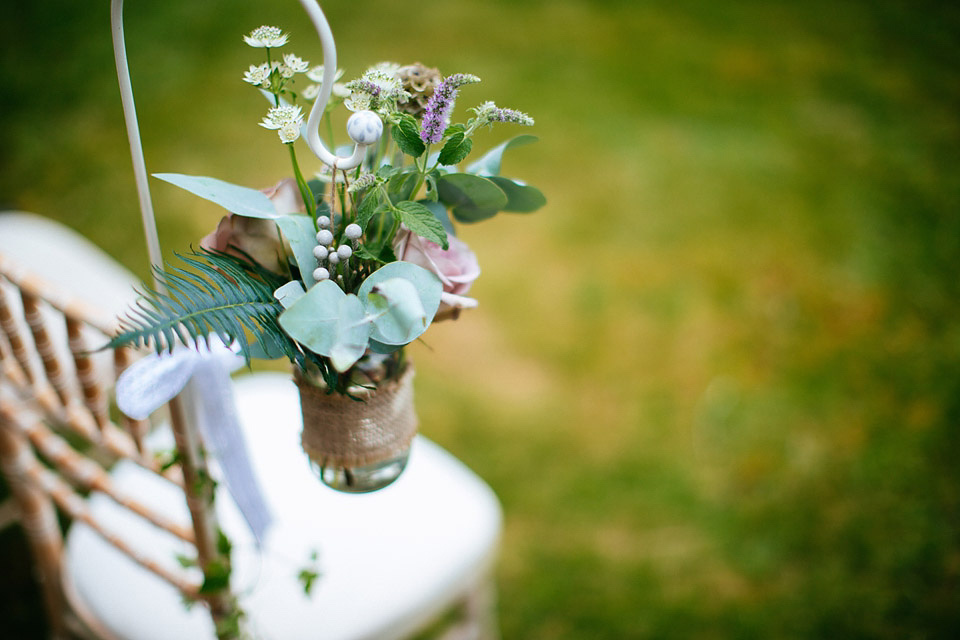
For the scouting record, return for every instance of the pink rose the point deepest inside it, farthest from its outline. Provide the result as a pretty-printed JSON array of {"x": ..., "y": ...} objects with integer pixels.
[
  {"x": 456, "y": 267},
  {"x": 258, "y": 237}
]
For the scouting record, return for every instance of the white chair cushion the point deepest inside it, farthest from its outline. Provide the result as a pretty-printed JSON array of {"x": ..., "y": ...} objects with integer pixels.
[
  {"x": 389, "y": 561},
  {"x": 66, "y": 259}
]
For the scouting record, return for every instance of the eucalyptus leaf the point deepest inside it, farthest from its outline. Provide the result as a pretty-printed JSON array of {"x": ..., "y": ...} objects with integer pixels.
[
  {"x": 472, "y": 198},
  {"x": 302, "y": 236},
  {"x": 289, "y": 293},
  {"x": 384, "y": 349},
  {"x": 428, "y": 287},
  {"x": 242, "y": 201},
  {"x": 312, "y": 319},
  {"x": 420, "y": 220},
  {"x": 489, "y": 164},
  {"x": 521, "y": 198},
  {"x": 352, "y": 333},
  {"x": 399, "y": 313}
]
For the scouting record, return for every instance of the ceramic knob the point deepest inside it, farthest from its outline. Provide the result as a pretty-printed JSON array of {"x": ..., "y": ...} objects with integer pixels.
[{"x": 365, "y": 127}]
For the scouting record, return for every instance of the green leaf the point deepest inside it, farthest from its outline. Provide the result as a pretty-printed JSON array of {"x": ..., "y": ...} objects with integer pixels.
[
  {"x": 368, "y": 208},
  {"x": 384, "y": 349},
  {"x": 440, "y": 213},
  {"x": 456, "y": 149},
  {"x": 454, "y": 129},
  {"x": 312, "y": 319},
  {"x": 428, "y": 288},
  {"x": 521, "y": 198},
  {"x": 472, "y": 198},
  {"x": 289, "y": 293},
  {"x": 216, "y": 577},
  {"x": 407, "y": 136},
  {"x": 186, "y": 561},
  {"x": 307, "y": 577},
  {"x": 431, "y": 184},
  {"x": 223, "y": 295},
  {"x": 489, "y": 164},
  {"x": 399, "y": 311},
  {"x": 382, "y": 254},
  {"x": 302, "y": 236},
  {"x": 352, "y": 333},
  {"x": 385, "y": 172},
  {"x": 400, "y": 187},
  {"x": 224, "y": 546},
  {"x": 420, "y": 220},
  {"x": 242, "y": 201}
]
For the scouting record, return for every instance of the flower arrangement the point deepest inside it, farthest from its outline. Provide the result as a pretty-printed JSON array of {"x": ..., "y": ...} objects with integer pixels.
[{"x": 339, "y": 272}]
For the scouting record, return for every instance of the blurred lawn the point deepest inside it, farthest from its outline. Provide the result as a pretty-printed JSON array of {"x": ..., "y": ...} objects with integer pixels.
[{"x": 723, "y": 401}]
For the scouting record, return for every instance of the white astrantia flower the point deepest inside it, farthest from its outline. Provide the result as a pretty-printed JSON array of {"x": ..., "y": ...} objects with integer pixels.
[
  {"x": 296, "y": 63},
  {"x": 286, "y": 72},
  {"x": 257, "y": 75},
  {"x": 310, "y": 92},
  {"x": 357, "y": 101},
  {"x": 377, "y": 90},
  {"x": 266, "y": 37},
  {"x": 289, "y": 132},
  {"x": 386, "y": 67},
  {"x": 278, "y": 117},
  {"x": 315, "y": 74}
]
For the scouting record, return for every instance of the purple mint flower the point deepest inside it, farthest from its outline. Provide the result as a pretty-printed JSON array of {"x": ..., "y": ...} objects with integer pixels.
[
  {"x": 511, "y": 115},
  {"x": 440, "y": 105}
]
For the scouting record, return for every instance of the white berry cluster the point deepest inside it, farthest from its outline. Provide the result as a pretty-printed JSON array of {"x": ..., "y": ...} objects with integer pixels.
[{"x": 335, "y": 257}]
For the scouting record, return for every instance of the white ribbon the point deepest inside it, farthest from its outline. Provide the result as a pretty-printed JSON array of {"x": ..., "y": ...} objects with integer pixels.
[{"x": 204, "y": 376}]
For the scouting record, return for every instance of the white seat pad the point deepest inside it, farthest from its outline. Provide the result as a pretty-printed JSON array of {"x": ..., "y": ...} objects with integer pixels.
[{"x": 389, "y": 561}]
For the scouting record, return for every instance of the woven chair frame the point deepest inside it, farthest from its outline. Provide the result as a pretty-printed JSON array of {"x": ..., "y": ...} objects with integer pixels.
[{"x": 57, "y": 438}]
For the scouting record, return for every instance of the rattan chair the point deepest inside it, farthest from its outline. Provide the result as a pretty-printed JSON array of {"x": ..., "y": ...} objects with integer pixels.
[{"x": 390, "y": 564}]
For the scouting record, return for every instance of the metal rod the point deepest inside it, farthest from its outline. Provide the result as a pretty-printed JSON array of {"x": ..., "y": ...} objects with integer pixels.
[{"x": 133, "y": 135}]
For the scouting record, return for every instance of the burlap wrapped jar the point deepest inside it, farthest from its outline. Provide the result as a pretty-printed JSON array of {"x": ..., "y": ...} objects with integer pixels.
[{"x": 358, "y": 445}]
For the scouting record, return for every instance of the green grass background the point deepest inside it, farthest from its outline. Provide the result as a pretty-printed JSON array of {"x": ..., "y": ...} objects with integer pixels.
[{"x": 716, "y": 382}]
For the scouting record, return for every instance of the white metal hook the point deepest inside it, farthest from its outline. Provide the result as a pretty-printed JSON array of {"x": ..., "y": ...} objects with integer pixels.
[
  {"x": 133, "y": 136},
  {"x": 364, "y": 127}
]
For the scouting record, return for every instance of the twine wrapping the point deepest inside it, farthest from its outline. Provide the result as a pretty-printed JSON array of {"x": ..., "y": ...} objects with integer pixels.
[{"x": 341, "y": 432}]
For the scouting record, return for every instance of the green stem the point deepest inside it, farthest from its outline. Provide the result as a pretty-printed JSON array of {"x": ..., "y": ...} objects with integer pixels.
[
  {"x": 422, "y": 171},
  {"x": 305, "y": 192}
]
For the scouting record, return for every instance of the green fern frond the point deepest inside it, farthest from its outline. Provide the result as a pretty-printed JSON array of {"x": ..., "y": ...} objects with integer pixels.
[{"x": 213, "y": 293}]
